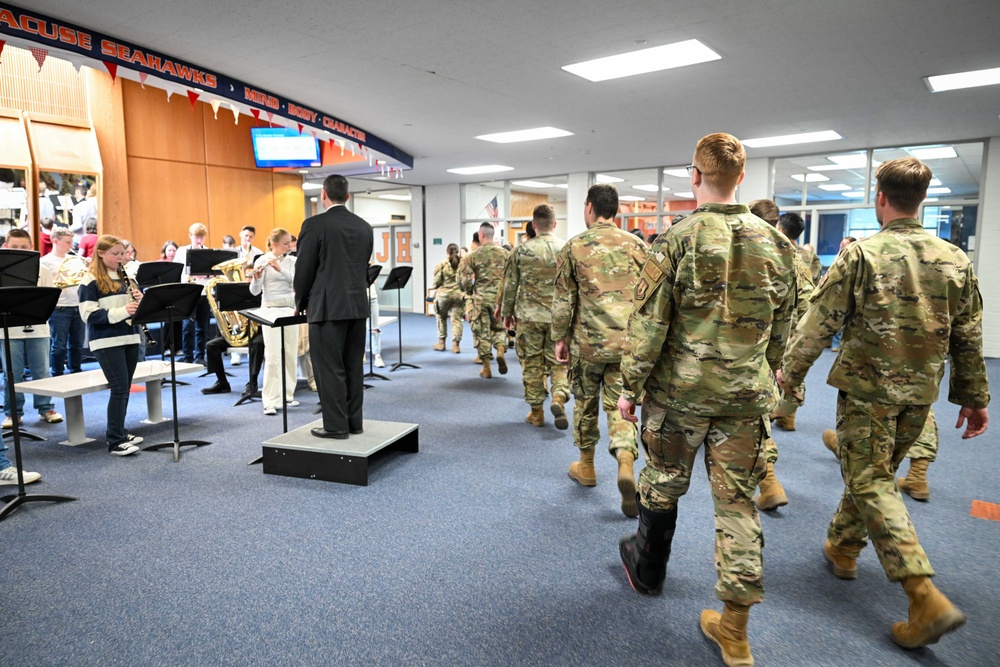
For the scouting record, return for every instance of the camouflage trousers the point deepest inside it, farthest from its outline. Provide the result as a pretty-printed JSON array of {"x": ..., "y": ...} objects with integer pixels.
[
  {"x": 451, "y": 305},
  {"x": 873, "y": 439},
  {"x": 537, "y": 352},
  {"x": 596, "y": 385},
  {"x": 770, "y": 451},
  {"x": 487, "y": 330},
  {"x": 926, "y": 446},
  {"x": 735, "y": 465}
]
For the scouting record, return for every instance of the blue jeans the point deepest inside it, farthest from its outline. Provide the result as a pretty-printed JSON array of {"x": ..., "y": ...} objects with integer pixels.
[
  {"x": 195, "y": 331},
  {"x": 68, "y": 331},
  {"x": 118, "y": 364},
  {"x": 35, "y": 353}
]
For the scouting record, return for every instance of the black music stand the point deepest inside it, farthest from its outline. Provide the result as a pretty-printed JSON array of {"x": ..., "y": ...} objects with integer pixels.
[
  {"x": 169, "y": 303},
  {"x": 22, "y": 306},
  {"x": 159, "y": 273},
  {"x": 18, "y": 268},
  {"x": 237, "y": 297},
  {"x": 201, "y": 260},
  {"x": 373, "y": 274},
  {"x": 397, "y": 280}
]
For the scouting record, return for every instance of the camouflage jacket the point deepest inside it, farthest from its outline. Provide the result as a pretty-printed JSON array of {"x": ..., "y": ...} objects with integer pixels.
[
  {"x": 595, "y": 275},
  {"x": 804, "y": 286},
  {"x": 712, "y": 315},
  {"x": 530, "y": 278},
  {"x": 446, "y": 279},
  {"x": 481, "y": 271},
  {"x": 906, "y": 300},
  {"x": 811, "y": 260}
]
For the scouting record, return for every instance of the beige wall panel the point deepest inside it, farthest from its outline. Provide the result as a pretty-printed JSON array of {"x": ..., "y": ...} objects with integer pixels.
[
  {"x": 227, "y": 144},
  {"x": 14, "y": 140},
  {"x": 289, "y": 198},
  {"x": 238, "y": 197},
  {"x": 107, "y": 113},
  {"x": 522, "y": 204},
  {"x": 166, "y": 198},
  {"x": 156, "y": 128}
]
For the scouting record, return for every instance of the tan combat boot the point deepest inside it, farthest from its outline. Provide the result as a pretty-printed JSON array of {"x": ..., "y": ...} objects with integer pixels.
[
  {"x": 583, "y": 470},
  {"x": 626, "y": 482},
  {"x": 830, "y": 440},
  {"x": 536, "y": 417},
  {"x": 558, "y": 410},
  {"x": 915, "y": 482},
  {"x": 729, "y": 631},
  {"x": 501, "y": 362},
  {"x": 844, "y": 566},
  {"x": 785, "y": 423},
  {"x": 487, "y": 372},
  {"x": 439, "y": 346},
  {"x": 477, "y": 359},
  {"x": 772, "y": 494},
  {"x": 932, "y": 615},
  {"x": 455, "y": 348}
]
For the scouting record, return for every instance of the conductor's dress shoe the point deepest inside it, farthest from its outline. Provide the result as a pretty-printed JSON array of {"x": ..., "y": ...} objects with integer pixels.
[
  {"x": 217, "y": 388},
  {"x": 323, "y": 433}
]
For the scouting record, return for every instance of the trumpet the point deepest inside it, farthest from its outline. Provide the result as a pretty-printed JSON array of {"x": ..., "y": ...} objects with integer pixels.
[{"x": 132, "y": 287}]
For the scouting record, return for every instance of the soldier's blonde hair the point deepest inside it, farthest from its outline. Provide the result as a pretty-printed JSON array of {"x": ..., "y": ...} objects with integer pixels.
[
  {"x": 720, "y": 158},
  {"x": 904, "y": 182}
]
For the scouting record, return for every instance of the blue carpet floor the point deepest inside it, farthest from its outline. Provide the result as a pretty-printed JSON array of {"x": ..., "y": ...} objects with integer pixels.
[{"x": 478, "y": 550}]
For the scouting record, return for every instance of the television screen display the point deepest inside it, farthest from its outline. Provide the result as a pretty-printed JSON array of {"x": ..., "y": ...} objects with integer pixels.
[{"x": 284, "y": 147}]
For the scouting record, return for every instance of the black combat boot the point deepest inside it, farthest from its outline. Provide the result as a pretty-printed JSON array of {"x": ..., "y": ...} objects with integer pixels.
[{"x": 646, "y": 553}]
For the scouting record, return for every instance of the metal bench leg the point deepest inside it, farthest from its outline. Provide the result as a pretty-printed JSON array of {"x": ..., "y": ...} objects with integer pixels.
[
  {"x": 154, "y": 402},
  {"x": 76, "y": 430}
]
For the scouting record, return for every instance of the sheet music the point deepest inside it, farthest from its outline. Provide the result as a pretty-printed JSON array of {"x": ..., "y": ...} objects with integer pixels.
[{"x": 269, "y": 315}]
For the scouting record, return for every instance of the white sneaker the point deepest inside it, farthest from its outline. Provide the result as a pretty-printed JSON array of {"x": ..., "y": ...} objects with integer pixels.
[
  {"x": 270, "y": 412},
  {"x": 378, "y": 361},
  {"x": 123, "y": 449},
  {"x": 292, "y": 404},
  {"x": 52, "y": 417},
  {"x": 235, "y": 359},
  {"x": 9, "y": 476}
]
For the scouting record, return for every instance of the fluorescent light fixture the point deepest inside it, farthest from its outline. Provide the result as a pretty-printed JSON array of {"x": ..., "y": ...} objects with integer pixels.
[
  {"x": 684, "y": 195},
  {"x": 939, "y": 153},
  {"x": 935, "y": 182},
  {"x": 668, "y": 56},
  {"x": 939, "y": 191},
  {"x": 677, "y": 173},
  {"x": 973, "y": 79},
  {"x": 482, "y": 169},
  {"x": 314, "y": 199},
  {"x": 396, "y": 197},
  {"x": 564, "y": 186},
  {"x": 854, "y": 194},
  {"x": 835, "y": 187},
  {"x": 850, "y": 160},
  {"x": 649, "y": 188},
  {"x": 789, "y": 139},
  {"x": 525, "y": 135},
  {"x": 303, "y": 171},
  {"x": 810, "y": 178},
  {"x": 380, "y": 178},
  {"x": 312, "y": 186},
  {"x": 631, "y": 198},
  {"x": 931, "y": 199},
  {"x": 531, "y": 184},
  {"x": 604, "y": 178}
]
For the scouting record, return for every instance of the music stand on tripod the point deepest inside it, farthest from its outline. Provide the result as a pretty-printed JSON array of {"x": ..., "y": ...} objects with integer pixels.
[
  {"x": 22, "y": 303},
  {"x": 397, "y": 280},
  {"x": 202, "y": 262},
  {"x": 373, "y": 273},
  {"x": 236, "y": 297},
  {"x": 159, "y": 273},
  {"x": 169, "y": 303}
]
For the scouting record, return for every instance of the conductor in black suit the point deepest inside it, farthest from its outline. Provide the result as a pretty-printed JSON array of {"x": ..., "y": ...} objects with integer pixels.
[{"x": 331, "y": 288}]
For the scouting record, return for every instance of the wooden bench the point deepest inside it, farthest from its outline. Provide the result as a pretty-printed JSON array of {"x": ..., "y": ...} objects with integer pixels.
[{"x": 72, "y": 387}]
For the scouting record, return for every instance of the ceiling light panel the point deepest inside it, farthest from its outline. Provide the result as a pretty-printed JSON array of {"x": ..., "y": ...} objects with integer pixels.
[
  {"x": 939, "y": 191},
  {"x": 533, "y": 134},
  {"x": 649, "y": 188},
  {"x": 810, "y": 178},
  {"x": 668, "y": 56},
  {"x": 854, "y": 194},
  {"x": 482, "y": 169},
  {"x": 939, "y": 153},
  {"x": 677, "y": 173},
  {"x": 684, "y": 195},
  {"x": 835, "y": 187},
  {"x": 972, "y": 79},
  {"x": 631, "y": 198},
  {"x": 790, "y": 139},
  {"x": 604, "y": 178},
  {"x": 532, "y": 184}
]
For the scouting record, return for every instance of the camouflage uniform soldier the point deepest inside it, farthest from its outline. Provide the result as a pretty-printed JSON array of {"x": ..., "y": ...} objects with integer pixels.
[
  {"x": 529, "y": 283},
  {"x": 448, "y": 300},
  {"x": 480, "y": 277},
  {"x": 792, "y": 225},
  {"x": 712, "y": 313},
  {"x": 468, "y": 299},
  {"x": 597, "y": 270},
  {"x": 772, "y": 494},
  {"x": 906, "y": 300}
]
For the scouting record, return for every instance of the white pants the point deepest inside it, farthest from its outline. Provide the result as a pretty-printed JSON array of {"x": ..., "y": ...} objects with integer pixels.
[
  {"x": 376, "y": 333},
  {"x": 271, "y": 393}
]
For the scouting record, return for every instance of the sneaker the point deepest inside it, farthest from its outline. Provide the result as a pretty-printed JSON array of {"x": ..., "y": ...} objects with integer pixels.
[
  {"x": 292, "y": 404},
  {"x": 9, "y": 423},
  {"x": 270, "y": 412},
  {"x": 52, "y": 417},
  {"x": 123, "y": 449},
  {"x": 235, "y": 359},
  {"x": 133, "y": 439},
  {"x": 378, "y": 361},
  {"x": 9, "y": 476}
]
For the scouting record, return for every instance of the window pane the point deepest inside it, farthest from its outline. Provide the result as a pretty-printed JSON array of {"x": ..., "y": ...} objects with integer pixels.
[
  {"x": 957, "y": 168},
  {"x": 481, "y": 197},
  {"x": 835, "y": 178},
  {"x": 526, "y": 194}
]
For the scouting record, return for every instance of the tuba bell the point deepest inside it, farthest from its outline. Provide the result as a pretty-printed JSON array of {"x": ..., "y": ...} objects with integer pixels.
[{"x": 235, "y": 328}]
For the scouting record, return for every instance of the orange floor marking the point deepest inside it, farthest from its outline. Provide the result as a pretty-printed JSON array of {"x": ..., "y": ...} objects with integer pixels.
[{"x": 984, "y": 510}]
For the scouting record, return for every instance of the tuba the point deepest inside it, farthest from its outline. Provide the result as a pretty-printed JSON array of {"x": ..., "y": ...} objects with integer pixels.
[{"x": 235, "y": 328}]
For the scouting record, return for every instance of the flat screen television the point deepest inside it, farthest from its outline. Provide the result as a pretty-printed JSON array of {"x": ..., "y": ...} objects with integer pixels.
[{"x": 284, "y": 147}]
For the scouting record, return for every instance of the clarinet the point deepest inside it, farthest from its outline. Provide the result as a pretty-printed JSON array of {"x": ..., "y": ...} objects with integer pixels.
[{"x": 130, "y": 286}]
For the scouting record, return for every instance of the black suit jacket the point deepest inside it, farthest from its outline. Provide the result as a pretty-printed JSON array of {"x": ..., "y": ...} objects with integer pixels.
[{"x": 331, "y": 268}]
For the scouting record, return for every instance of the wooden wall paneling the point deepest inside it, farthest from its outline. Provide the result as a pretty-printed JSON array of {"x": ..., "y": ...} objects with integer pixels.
[
  {"x": 226, "y": 143},
  {"x": 70, "y": 148},
  {"x": 104, "y": 98},
  {"x": 289, "y": 202},
  {"x": 166, "y": 198},
  {"x": 522, "y": 204},
  {"x": 156, "y": 128},
  {"x": 14, "y": 140},
  {"x": 238, "y": 197}
]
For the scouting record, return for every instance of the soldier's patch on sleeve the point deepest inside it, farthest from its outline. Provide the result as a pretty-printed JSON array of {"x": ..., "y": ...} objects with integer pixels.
[{"x": 650, "y": 278}]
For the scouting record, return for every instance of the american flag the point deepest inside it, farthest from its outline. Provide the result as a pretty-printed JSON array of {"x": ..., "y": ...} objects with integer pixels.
[{"x": 492, "y": 209}]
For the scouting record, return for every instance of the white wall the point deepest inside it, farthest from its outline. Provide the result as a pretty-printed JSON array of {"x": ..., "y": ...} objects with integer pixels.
[
  {"x": 444, "y": 221},
  {"x": 756, "y": 183},
  {"x": 380, "y": 211},
  {"x": 576, "y": 195},
  {"x": 988, "y": 248}
]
